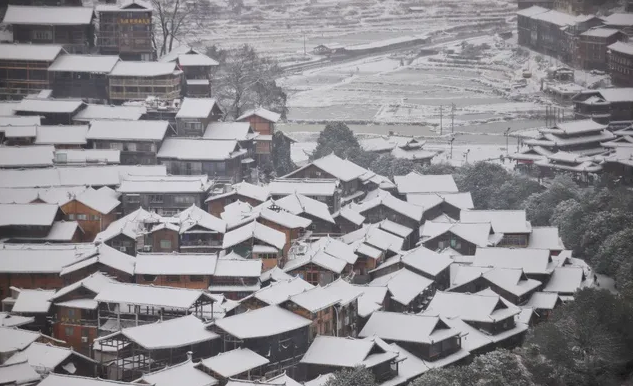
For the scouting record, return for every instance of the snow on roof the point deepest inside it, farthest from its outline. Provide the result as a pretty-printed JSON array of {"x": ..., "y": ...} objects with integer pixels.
[
  {"x": 335, "y": 248},
  {"x": 93, "y": 283},
  {"x": 319, "y": 258},
  {"x": 471, "y": 337},
  {"x": 513, "y": 280},
  {"x": 471, "y": 307},
  {"x": 105, "y": 255},
  {"x": 380, "y": 197},
  {"x": 575, "y": 127},
  {"x": 8, "y": 320},
  {"x": 546, "y": 238},
  {"x": 165, "y": 184},
  {"x": 100, "y": 200},
  {"x": 321, "y": 380},
  {"x": 175, "y": 264},
  {"x": 430, "y": 200},
  {"x": 413, "y": 154},
  {"x": 238, "y": 268},
  {"x": 619, "y": 19},
  {"x": 533, "y": 10},
  {"x": 409, "y": 366},
  {"x": 278, "y": 292},
  {"x": 61, "y": 135},
  {"x": 239, "y": 131},
  {"x": 346, "y": 352},
  {"x": 194, "y": 216},
  {"x": 179, "y": 332},
  {"x": 234, "y": 362},
  {"x": 26, "y": 156},
  {"x": 344, "y": 290},
  {"x": 377, "y": 144},
  {"x": 196, "y": 108},
  {"x": 620, "y": 94},
  {"x": 274, "y": 274},
  {"x": 21, "y": 373},
  {"x": 315, "y": 299},
  {"x": 623, "y": 48},
  {"x": 130, "y": 225},
  {"x": 27, "y": 214},
  {"x": 33, "y": 15},
  {"x": 150, "y": 295},
  {"x": 86, "y": 304},
  {"x": 43, "y": 357},
  {"x": 257, "y": 323},
  {"x": 262, "y": 113},
  {"x": 100, "y": 64},
  {"x": 476, "y": 233},
  {"x": 542, "y": 301},
  {"x": 410, "y": 328},
  {"x": 371, "y": 300},
  {"x": 61, "y": 106},
  {"x": 350, "y": 215},
  {"x": 427, "y": 261},
  {"x": 600, "y": 32},
  {"x": 284, "y": 218},
  {"x": 555, "y": 17},
  {"x": 124, "y": 113},
  {"x": 199, "y": 149},
  {"x": 18, "y": 131},
  {"x": 417, "y": 183},
  {"x": 257, "y": 231},
  {"x": 143, "y": 69},
  {"x": 30, "y": 52},
  {"x": 565, "y": 280},
  {"x": 307, "y": 187},
  {"x": 374, "y": 236},
  {"x": 6, "y": 107},
  {"x": 298, "y": 204},
  {"x": 43, "y": 258},
  {"x": 127, "y": 130},
  {"x": 403, "y": 285},
  {"x": 33, "y": 301},
  {"x": 340, "y": 168},
  {"x": 174, "y": 375},
  {"x": 259, "y": 193},
  {"x": 503, "y": 221},
  {"x": 54, "y": 379},
  {"x": 14, "y": 339},
  {"x": 532, "y": 261},
  {"x": 196, "y": 60},
  {"x": 18, "y": 120}
]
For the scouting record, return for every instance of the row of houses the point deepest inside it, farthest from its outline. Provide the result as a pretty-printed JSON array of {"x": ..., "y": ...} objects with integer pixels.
[{"x": 585, "y": 41}]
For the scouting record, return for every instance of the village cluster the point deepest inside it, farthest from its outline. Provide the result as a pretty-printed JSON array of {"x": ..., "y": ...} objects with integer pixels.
[{"x": 137, "y": 246}]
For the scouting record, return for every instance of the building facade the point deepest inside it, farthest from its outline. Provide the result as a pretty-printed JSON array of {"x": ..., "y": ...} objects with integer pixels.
[{"x": 125, "y": 31}]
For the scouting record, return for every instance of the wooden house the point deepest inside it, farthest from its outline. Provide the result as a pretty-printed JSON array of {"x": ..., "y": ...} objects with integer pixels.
[
  {"x": 409, "y": 291},
  {"x": 24, "y": 68},
  {"x": 138, "y": 141},
  {"x": 126, "y": 234},
  {"x": 621, "y": 21},
  {"x": 620, "y": 64},
  {"x": 81, "y": 76},
  {"x": 139, "y": 80},
  {"x": 71, "y": 27},
  {"x": 126, "y": 30},
  {"x": 512, "y": 224},
  {"x": 62, "y": 137},
  {"x": 592, "y": 47},
  {"x": 51, "y": 111},
  {"x": 246, "y": 239},
  {"x": 274, "y": 293},
  {"x": 346, "y": 316},
  {"x": 537, "y": 264},
  {"x": 324, "y": 190},
  {"x": 235, "y": 277},
  {"x": 165, "y": 195},
  {"x": 348, "y": 220},
  {"x": 321, "y": 262},
  {"x": 510, "y": 283},
  {"x": 185, "y": 370},
  {"x": 234, "y": 365},
  {"x": 253, "y": 195},
  {"x": 241, "y": 132},
  {"x": 94, "y": 210},
  {"x": 197, "y": 69},
  {"x": 194, "y": 116},
  {"x": 604, "y": 105},
  {"x": 283, "y": 342},
  {"x": 318, "y": 305},
  {"x": 96, "y": 112},
  {"x": 292, "y": 226},
  {"x": 48, "y": 359},
  {"x": 27, "y": 220},
  {"x": 101, "y": 258},
  {"x": 543, "y": 303},
  {"x": 192, "y": 271},
  {"x": 263, "y": 122},
  {"x": 464, "y": 238},
  {"x": 313, "y": 210},
  {"x": 421, "y": 261},
  {"x": 31, "y": 303},
  {"x": 438, "y": 204},
  {"x": 200, "y": 232}
]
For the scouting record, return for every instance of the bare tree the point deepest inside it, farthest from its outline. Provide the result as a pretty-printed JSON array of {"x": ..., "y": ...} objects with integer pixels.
[{"x": 172, "y": 18}]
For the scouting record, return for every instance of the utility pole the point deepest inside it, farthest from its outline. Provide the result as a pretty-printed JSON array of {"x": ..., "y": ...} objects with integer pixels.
[
  {"x": 451, "y": 142},
  {"x": 452, "y": 118},
  {"x": 441, "y": 110},
  {"x": 507, "y": 137}
]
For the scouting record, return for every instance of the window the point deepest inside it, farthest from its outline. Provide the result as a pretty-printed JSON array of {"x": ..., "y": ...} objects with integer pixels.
[
  {"x": 196, "y": 278},
  {"x": 85, "y": 332},
  {"x": 133, "y": 198},
  {"x": 312, "y": 277},
  {"x": 71, "y": 216},
  {"x": 61, "y": 158},
  {"x": 165, "y": 244},
  {"x": 82, "y": 217},
  {"x": 156, "y": 198},
  {"x": 184, "y": 200},
  {"x": 70, "y": 313},
  {"x": 43, "y": 35},
  {"x": 130, "y": 147},
  {"x": 96, "y": 217},
  {"x": 69, "y": 331},
  {"x": 149, "y": 277},
  {"x": 116, "y": 146},
  {"x": 173, "y": 278}
]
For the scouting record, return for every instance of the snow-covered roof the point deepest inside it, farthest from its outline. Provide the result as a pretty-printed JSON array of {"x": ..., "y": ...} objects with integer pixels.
[
  {"x": 417, "y": 183},
  {"x": 27, "y": 214},
  {"x": 263, "y": 322},
  {"x": 238, "y": 131},
  {"x": 476, "y": 233},
  {"x": 8, "y": 320},
  {"x": 61, "y": 106},
  {"x": 274, "y": 274},
  {"x": 409, "y": 366},
  {"x": 320, "y": 259},
  {"x": 471, "y": 307},
  {"x": 130, "y": 225},
  {"x": 307, "y": 187},
  {"x": 503, "y": 221},
  {"x": 374, "y": 236},
  {"x": 127, "y": 130},
  {"x": 26, "y": 156},
  {"x": 371, "y": 300},
  {"x": 376, "y": 144},
  {"x": 347, "y": 352},
  {"x": 174, "y": 375},
  {"x": 472, "y": 338},
  {"x": 143, "y": 69},
  {"x": 33, "y": 301},
  {"x": 99, "y": 64},
  {"x": 150, "y": 295},
  {"x": 512, "y": 280},
  {"x": 61, "y": 135},
  {"x": 259, "y": 193},
  {"x": 298, "y": 204},
  {"x": 257, "y": 231},
  {"x": 542, "y": 301},
  {"x": 284, "y": 218},
  {"x": 321, "y": 380},
  {"x": 262, "y": 113},
  {"x": 413, "y": 154},
  {"x": 199, "y": 149},
  {"x": 546, "y": 238},
  {"x": 340, "y": 168},
  {"x": 410, "y": 328},
  {"x": 234, "y": 362},
  {"x": 198, "y": 108},
  {"x": 560, "y": 19},
  {"x": 336, "y": 248},
  {"x": 196, "y": 60},
  {"x": 173, "y": 333},
  {"x": 575, "y": 127},
  {"x": 39, "y": 258},
  {"x": 532, "y": 261},
  {"x": 124, "y": 113},
  {"x": 600, "y": 32},
  {"x": 380, "y": 197},
  {"x": 531, "y": 11},
  {"x": 623, "y": 48},
  {"x": 21, "y": 373},
  {"x": 238, "y": 268},
  {"x": 165, "y": 184},
  {"x": 85, "y": 156},
  {"x": 14, "y": 339},
  {"x": 105, "y": 255},
  {"x": 175, "y": 264},
  {"x": 54, "y": 379},
  {"x": 30, "y": 52},
  {"x": 619, "y": 19},
  {"x": 565, "y": 280},
  {"x": 350, "y": 215},
  {"x": 315, "y": 299},
  {"x": 430, "y": 200},
  {"x": 425, "y": 260},
  {"x": 620, "y": 94},
  {"x": 280, "y": 291},
  {"x": 403, "y": 285},
  {"x": 344, "y": 290},
  {"x": 44, "y": 357},
  {"x": 34, "y": 15},
  {"x": 93, "y": 283}
]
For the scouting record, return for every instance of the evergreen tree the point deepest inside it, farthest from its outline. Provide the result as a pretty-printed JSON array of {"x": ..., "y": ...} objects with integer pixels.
[{"x": 358, "y": 376}]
